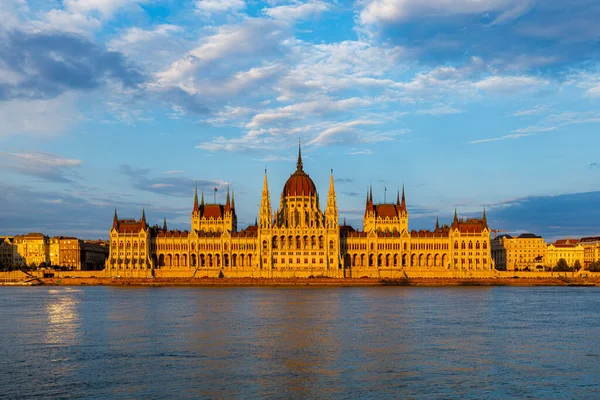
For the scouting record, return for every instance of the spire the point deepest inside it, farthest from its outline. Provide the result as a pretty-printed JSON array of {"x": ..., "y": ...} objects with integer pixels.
[
  {"x": 331, "y": 210},
  {"x": 299, "y": 164},
  {"x": 265, "y": 205},
  {"x": 232, "y": 200},
  {"x": 371, "y": 194},
  {"x": 437, "y": 223},
  {"x": 455, "y": 221},
  {"x": 115, "y": 220},
  {"x": 196, "y": 199},
  {"x": 484, "y": 218},
  {"x": 228, "y": 201},
  {"x": 398, "y": 198},
  {"x": 165, "y": 224},
  {"x": 331, "y": 188},
  {"x": 143, "y": 216},
  {"x": 403, "y": 201},
  {"x": 202, "y": 201}
]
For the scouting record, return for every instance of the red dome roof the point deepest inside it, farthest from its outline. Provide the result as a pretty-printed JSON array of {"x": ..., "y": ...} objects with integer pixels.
[{"x": 299, "y": 184}]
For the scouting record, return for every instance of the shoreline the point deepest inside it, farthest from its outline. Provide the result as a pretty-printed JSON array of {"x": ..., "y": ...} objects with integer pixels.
[{"x": 319, "y": 282}]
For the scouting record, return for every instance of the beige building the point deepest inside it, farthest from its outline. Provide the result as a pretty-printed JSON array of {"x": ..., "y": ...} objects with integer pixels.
[
  {"x": 299, "y": 239},
  {"x": 524, "y": 252},
  {"x": 591, "y": 250},
  {"x": 32, "y": 249},
  {"x": 569, "y": 249}
]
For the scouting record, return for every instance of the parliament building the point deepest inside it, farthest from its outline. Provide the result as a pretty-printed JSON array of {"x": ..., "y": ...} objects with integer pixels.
[{"x": 300, "y": 239}]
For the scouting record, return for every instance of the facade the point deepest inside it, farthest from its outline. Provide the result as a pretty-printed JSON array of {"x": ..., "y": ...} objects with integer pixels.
[
  {"x": 8, "y": 251},
  {"x": 299, "y": 239},
  {"x": 524, "y": 252},
  {"x": 55, "y": 250},
  {"x": 32, "y": 249},
  {"x": 571, "y": 250},
  {"x": 591, "y": 250},
  {"x": 94, "y": 254}
]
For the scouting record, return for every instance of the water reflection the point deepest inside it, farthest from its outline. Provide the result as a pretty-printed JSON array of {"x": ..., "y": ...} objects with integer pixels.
[{"x": 62, "y": 316}]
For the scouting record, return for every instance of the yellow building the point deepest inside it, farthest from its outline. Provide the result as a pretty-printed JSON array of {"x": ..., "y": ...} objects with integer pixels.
[
  {"x": 524, "y": 252},
  {"x": 569, "y": 249},
  {"x": 591, "y": 250},
  {"x": 32, "y": 249},
  {"x": 299, "y": 239},
  {"x": 55, "y": 250}
]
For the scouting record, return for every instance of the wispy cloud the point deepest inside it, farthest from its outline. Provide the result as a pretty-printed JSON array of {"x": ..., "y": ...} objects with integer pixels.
[
  {"x": 537, "y": 110},
  {"x": 536, "y": 129},
  {"x": 41, "y": 165},
  {"x": 511, "y": 136}
]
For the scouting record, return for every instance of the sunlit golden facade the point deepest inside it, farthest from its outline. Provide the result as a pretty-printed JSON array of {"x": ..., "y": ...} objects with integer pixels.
[
  {"x": 299, "y": 239},
  {"x": 524, "y": 252},
  {"x": 571, "y": 250}
]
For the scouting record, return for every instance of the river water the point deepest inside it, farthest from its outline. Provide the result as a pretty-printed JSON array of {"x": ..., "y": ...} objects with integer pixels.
[{"x": 375, "y": 342}]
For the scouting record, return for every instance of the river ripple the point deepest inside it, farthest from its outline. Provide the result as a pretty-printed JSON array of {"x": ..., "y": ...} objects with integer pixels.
[{"x": 375, "y": 342}]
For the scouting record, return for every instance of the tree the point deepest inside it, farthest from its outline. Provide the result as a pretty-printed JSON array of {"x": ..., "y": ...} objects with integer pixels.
[
  {"x": 577, "y": 265},
  {"x": 562, "y": 266},
  {"x": 594, "y": 266}
]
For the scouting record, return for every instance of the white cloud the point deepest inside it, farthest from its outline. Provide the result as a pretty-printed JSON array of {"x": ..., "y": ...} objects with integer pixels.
[
  {"x": 37, "y": 117},
  {"x": 42, "y": 165},
  {"x": 390, "y": 11},
  {"x": 511, "y": 136},
  {"x": 219, "y": 6},
  {"x": 274, "y": 158},
  {"x": 439, "y": 110},
  {"x": 536, "y": 129},
  {"x": 304, "y": 109},
  {"x": 593, "y": 92},
  {"x": 253, "y": 38},
  {"x": 297, "y": 11},
  {"x": 345, "y": 132},
  {"x": 510, "y": 84},
  {"x": 539, "y": 109},
  {"x": 356, "y": 152}
]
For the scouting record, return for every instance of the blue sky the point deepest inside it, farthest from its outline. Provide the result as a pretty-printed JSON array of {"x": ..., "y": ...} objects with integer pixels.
[{"x": 131, "y": 103}]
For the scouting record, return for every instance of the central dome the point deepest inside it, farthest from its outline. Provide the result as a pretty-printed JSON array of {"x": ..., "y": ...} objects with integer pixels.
[{"x": 299, "y": 184}]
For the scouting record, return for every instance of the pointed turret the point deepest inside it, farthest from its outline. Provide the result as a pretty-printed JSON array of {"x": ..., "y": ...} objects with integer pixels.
[
  {"x": 437, "y": 223},
  {"x": 484, "y": 218},
  {"x": 265, "y": 205},
  {"x": 331, "y": 210},
  {"x": 371, "y": 194},
  {"x": 299, "y": 164},
  {"x": 232, "y": 200},
  {"x": 165, "y": 225},
  {"x": 398, "y": 198},
  {"x": 144, "y": 218},
  {"x": 455, "y": 221},
  {"x": 228, "y": 201},
  {"x": 403, "y": 201},
  {"x": 196, "y": 199},
  {"x": 202, "y": 200},
  {"x": 115, "y": 220}
]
